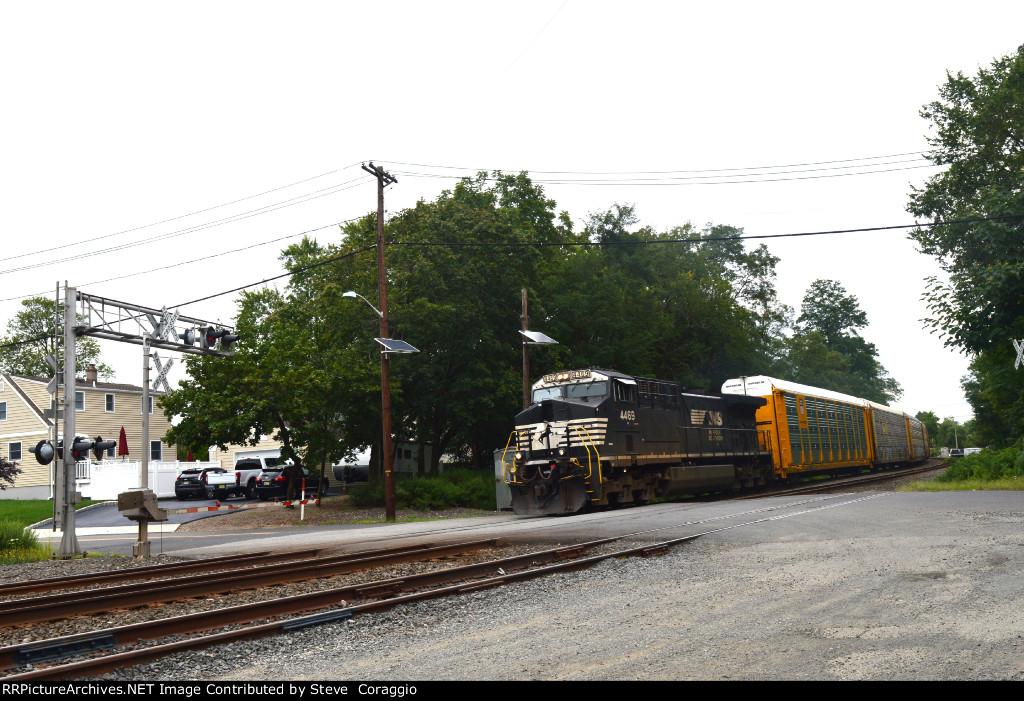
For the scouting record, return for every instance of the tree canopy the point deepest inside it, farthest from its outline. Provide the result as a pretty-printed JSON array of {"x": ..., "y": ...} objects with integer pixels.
[
  {"x": 828, "y": 352},
  {"x": 977, "y": 206},
  {"x": 978, "y": 134},
  {"x": 687, "y": 304},
  {"x": 31, "y": 337}
]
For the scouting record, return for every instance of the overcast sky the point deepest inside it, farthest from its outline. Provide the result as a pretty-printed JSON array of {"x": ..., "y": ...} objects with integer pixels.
[{"x": 184, "y": 122}]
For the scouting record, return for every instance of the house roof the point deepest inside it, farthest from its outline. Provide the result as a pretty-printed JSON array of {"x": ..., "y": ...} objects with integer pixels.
[
  {"x": 25, "y": 398},
  {"x": 80, "y": 384},
  {"x": 90, "y": 384}
]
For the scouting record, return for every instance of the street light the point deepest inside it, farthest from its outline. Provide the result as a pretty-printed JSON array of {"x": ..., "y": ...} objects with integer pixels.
[
  {"x": 390, "y": 345},
  {"x": 532, "y": 338},
  {"x": 350, "y": 293}
]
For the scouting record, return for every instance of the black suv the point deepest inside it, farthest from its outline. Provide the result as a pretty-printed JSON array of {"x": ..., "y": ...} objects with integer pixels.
[
  {"x": 192, "y": 482},
  {"x": 273, "y": 481}
]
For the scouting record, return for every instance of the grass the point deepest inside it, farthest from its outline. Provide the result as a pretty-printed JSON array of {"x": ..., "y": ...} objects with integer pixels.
[
  {"x": 17, "y": 544},
  {"x": 29, "y": 511},
  {"x": 989, "y": 469}
]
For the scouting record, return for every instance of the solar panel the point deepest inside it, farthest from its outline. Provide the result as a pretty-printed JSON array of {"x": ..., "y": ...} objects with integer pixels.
[
  {"x": 536, "y": 337},
  {"x": 392, "y": 345}
]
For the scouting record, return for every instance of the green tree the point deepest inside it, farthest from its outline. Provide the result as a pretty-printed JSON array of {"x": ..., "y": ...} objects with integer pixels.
[
  {"x": 685, "y": 304},
  {"x": 828, "y": 309},
  {"x": 828, "y": 352},
  {"x": 31, "y": 337},
  {"x": 9, "y": 472},
  {"x": 978, "y": 135},
  {"x": 298, "y": 373},
  {"x": 931, "y": 422}
]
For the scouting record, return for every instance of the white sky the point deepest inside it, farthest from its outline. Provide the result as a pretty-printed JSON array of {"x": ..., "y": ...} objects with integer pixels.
[{"x": 117, "y": 115}]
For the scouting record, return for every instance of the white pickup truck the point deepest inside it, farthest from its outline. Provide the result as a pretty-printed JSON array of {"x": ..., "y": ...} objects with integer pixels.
[{"x": 242, "y": 480}]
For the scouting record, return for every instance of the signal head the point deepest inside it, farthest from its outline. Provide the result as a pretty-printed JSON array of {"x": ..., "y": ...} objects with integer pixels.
[{"x": 43, "y": 451}]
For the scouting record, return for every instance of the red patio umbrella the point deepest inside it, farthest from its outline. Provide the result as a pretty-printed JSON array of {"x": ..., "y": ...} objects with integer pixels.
[
  {"x": 122, "y": 443},
  {"x": 189, "y": 458}
]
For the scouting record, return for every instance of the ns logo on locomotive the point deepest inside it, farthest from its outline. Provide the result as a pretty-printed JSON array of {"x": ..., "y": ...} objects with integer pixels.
[{"x": 596, "y": 437}]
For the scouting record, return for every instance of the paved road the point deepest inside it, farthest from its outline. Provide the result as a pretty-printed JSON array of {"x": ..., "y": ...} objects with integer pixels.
[{"x": 101, "y": 528}]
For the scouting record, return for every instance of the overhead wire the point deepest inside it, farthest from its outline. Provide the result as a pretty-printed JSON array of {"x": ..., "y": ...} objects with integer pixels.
[
  {"x": 646, "y": 172},
  {"x": 334, "y": 189},
  {"x": 181, "y": 216},
  {"x": 643, "y": 242},
  {"x": 676, "y": 181}
]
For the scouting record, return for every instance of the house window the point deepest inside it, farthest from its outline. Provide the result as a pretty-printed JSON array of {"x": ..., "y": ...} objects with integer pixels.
[
  {"x": 112, "y": 452},
  {"x": 109, "y": 402},
  {"x": 155, "y": 450},
  {"x": 79, "y": 401},
  {"x": 3, "y": 411},
  {"x": 14, "y": 451}
]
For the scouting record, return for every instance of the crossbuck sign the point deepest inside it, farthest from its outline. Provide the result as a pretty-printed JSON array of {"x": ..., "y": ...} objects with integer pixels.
[{"x": 1019, "y": 346}]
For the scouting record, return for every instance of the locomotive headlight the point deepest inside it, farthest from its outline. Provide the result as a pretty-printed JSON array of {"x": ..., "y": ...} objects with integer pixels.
[
  {"x": 519, "y": 456},
  {"x": 561, "y": 452}
]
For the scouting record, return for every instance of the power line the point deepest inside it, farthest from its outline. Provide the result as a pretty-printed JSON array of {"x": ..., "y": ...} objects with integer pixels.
[
  {"x": 199, "y": 227},
  {"x": 193, "y": 260},
  {"x": 181, "y": 216},
  {"x": 676, "y": 181},
  {"x": 644, "y": 242},
  {"x": 24, "y": 342},
  {"x": 278, "y": 277},
  {"x": 664, "y": 172}
]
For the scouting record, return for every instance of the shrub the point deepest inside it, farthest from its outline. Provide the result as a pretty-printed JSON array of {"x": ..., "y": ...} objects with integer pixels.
[
  {"x": 18, "y": 544},
  {"x": 472, "y": 489},
  {"x": 985, "y": 466}
]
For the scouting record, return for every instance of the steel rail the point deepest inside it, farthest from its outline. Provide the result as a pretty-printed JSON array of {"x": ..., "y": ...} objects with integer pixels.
[
  {"x": 56, "y": 606},
  {"x": 566, "y": 559},
  {"x": 167, "y": 570}
]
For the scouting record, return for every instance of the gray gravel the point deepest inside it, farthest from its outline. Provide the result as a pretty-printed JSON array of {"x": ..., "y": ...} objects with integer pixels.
[{"x": 884, "y": 586}]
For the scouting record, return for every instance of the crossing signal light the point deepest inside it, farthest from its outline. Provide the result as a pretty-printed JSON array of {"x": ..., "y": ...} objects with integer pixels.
[
  {"x": 101, "y": 446},
  {"x": 80, "y": 449},
  {"x": 210, "y": 335},
  {"x": 43, "y": 451}
]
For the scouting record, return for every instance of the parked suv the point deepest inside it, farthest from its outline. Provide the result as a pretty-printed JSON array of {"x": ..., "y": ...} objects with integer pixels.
[
  {"x": 192, "y": 482},
  {"x": 273, "y": 481}
]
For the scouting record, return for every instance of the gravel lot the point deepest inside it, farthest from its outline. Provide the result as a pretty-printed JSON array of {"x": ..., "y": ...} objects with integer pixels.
[{"x": 884, "y": 586}]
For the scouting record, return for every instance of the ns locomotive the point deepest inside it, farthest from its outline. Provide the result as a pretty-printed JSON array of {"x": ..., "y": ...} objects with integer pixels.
[{"x": 595, "y": 437}]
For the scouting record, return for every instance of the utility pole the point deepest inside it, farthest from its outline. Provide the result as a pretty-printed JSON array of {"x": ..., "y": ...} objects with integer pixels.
[
  {"x": 526, "y": 358},
  {"x": 69, "y": 541},
  {"x": 384, "y": 178}
]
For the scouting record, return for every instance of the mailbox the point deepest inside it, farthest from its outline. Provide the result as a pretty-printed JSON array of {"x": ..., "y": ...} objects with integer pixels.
[{"x": 140, "y": 505}]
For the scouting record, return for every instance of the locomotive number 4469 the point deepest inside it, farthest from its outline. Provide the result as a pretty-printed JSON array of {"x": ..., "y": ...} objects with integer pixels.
[{"x": 628, "y": 415}]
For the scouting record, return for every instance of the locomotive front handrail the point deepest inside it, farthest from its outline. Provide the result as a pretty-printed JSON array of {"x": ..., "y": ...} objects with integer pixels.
[
  {"x": 590, "y": 469},
  {"x": 504, "y": 472}
]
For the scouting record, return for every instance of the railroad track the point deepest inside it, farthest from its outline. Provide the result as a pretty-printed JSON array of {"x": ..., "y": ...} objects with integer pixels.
[
  {"x": 374, "y": 596},
  {"x": 51, "y": 607},
  {"x": 820, "y": 485}
]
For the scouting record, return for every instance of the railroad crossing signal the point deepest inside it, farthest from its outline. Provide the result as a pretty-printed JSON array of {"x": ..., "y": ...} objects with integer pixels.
[
  {"x": 166, "y": 327},
  {"x": 161, "y": 369},
  {"x": 44, "y": 452},
  {"x": 210, "y": 336}
]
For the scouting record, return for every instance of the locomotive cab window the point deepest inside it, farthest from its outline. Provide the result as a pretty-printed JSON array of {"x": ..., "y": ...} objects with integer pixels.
[
  {"x": 586, "y": 389},
  {"x": 625, "y": 391},
  {"x": 547, "y": 393}
]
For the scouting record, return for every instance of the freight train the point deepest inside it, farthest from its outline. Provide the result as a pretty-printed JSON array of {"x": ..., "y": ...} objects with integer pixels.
[{"x": 595, "y": 437}]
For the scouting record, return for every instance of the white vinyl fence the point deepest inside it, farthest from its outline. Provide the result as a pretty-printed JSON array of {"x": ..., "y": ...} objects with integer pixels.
[{"x": 103, "y": 481}]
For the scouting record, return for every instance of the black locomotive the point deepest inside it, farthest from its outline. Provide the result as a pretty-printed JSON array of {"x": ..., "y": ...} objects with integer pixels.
[{"x": 598, "y": 437}]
